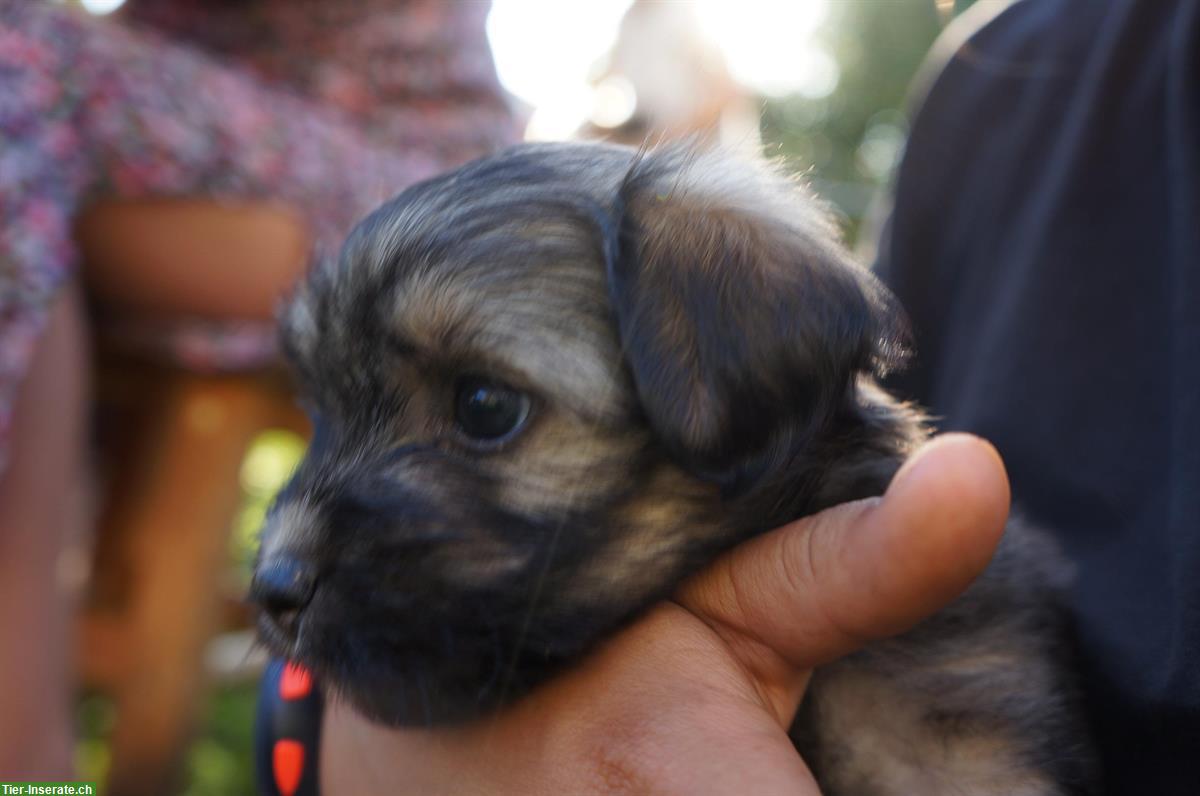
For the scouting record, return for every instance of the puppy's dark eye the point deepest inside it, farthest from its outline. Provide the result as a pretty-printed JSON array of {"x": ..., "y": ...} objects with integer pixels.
[{"x": 487, "y": 410}]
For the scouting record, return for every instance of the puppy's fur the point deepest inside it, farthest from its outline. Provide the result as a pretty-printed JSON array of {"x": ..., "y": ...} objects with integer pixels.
[{"x": 700, "y": 354}]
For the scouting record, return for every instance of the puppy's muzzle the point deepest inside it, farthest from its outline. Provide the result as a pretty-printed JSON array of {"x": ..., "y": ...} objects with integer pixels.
[{"x": 283, "y": 587}]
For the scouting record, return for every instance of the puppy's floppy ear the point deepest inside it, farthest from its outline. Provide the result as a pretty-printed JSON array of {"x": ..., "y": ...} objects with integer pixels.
[{"x": 742, "y": 319}]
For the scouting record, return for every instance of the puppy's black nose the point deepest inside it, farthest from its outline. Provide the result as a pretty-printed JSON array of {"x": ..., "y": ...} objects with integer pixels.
[{"x": 283, "y": 586}]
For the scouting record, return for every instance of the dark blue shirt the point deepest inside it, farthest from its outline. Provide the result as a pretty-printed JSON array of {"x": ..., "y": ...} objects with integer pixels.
[{"x": 1045, "y": 239}]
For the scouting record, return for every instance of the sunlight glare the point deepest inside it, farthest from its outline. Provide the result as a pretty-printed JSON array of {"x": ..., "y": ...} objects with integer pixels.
[
  {"x": 768, "y": 44},
  {"x": 99, "y": 7},
  {"x": 545, "y": 51}
]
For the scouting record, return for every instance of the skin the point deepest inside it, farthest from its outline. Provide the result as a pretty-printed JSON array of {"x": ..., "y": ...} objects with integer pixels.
[
  {"x": 192, "y": 257},
  {"x": 41, "y": 511},
  {"x": 697, "y": 696},
  {"x": 152, "y": 258}
]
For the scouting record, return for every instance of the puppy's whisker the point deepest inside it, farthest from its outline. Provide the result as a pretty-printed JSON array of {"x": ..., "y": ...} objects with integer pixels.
[
  {"x": 256, "y": 645},
  {"x": 534, "y": 598},
  {"x": 530, "y": 610},
  {"x": 423, "y": 695}
]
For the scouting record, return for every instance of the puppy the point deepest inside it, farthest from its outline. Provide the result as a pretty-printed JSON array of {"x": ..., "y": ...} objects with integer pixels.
[{"x": 549, "y": 385}]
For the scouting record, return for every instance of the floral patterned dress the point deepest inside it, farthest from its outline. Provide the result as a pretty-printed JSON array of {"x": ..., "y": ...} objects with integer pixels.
[{"x": 329, "y": 107}]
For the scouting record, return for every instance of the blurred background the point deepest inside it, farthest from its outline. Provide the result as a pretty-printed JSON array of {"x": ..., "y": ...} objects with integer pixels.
[{"x": 820, "y": 85}]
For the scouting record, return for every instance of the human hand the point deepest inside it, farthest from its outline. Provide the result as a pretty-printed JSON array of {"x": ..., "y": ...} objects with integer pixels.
[{"x": 697, "y": 696}]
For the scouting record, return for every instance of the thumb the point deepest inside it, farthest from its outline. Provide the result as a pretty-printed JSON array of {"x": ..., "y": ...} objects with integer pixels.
[{"x": 823, "y": 586}]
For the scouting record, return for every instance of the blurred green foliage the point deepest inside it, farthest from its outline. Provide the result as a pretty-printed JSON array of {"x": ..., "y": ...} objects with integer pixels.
[
  {"x": 848, "y": 142},
  {"x": 270, "y": 460},
  {"x": 220, "y": 761},
  {"x": 94, "y": 716}
]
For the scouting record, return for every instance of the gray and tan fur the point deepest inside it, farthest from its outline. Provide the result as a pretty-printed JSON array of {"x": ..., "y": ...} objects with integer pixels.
[{"x": 699, "y": 355}]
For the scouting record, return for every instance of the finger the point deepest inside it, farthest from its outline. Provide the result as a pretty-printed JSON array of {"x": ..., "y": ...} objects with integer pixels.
[{"x": 820, "y": 587}]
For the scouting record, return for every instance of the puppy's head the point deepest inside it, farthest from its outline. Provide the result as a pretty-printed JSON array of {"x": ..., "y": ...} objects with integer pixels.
[{"x": 545, "y": 387}]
